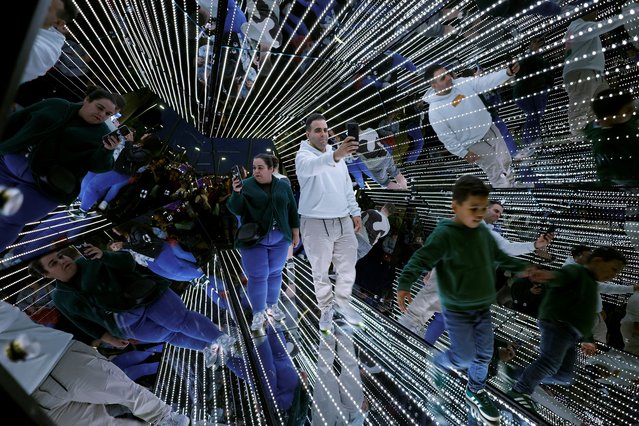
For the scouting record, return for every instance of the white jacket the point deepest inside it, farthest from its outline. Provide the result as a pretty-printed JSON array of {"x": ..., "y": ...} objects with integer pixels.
[
  {"x": 460, "y": 118},
  {"x": 326, "y": 190},
  {"x": 45, "y": 52}
]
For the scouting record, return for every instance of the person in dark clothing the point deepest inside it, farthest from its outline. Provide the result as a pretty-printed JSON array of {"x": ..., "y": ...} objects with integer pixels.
[
  {"x": 527, "y": 296},
  {"x": 615, "y": 138},
  {"x": 567, "y": 315}
]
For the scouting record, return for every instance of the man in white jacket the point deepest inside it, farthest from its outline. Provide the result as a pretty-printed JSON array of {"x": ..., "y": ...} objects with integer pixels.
[
  {"x": 330, "y": 217},
  {"x": 464, "y": 125},
  {"x": 72, "y": 382},
  {"x": 426, "y": 302}
]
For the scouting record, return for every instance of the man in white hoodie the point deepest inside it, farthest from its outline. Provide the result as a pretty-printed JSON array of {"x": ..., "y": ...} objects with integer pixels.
[
  {"x": 330, "y": 219},
  {"x": 464, "y": 125}
]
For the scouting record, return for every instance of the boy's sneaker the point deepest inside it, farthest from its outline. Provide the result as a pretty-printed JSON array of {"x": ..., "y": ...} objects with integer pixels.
[
  {"x": 524, "y": 401},
  {"x": 326, "y": 320},
  {"x": 483, "y": 404},
  {"x": 350, "y": 315},
  {"x": 259, "y": 318},
  {"x": 276, "y": 312},
  {"x": 175, "y": 419}
]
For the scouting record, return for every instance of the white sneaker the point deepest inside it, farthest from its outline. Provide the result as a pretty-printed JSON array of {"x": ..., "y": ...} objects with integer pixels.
[
  {"x": 276, "y": 312},
  {"x": 326, "y": 320},
  {"x": 103, "y": 205},
  {"x": 350, "y": 315},
  {"x": 220, "y": 351},
  {"x": 174, "y": 419},
  {"x": 259, "y": 318},
  {"x": 410, "y": 324}
]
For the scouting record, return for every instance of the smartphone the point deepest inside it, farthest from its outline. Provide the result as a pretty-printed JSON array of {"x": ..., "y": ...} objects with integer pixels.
[
  {"x": 237, "y": 173},
  {"x": 120, "y": 131},
  {"x": 80, "y": 248},
  {"x": 352, "y": 129}
]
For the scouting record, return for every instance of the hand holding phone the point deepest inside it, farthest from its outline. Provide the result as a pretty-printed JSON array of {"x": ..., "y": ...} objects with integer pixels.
[
  {"x": 236, "y": 174},
  {"x": 352, "y": 130}
]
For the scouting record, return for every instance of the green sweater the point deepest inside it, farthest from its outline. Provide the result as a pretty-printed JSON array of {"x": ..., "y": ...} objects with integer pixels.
[
  {"x": 572, "y": 298},
  {"x": 253, "y": 204},
  {"x": 54, "y": 134},
  {"x": 616, "y": 152},
  {"x": 465, "y": 260},
  {"x": 101, "y": 287}
]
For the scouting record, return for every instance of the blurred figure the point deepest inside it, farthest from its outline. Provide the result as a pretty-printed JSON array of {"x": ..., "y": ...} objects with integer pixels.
[
  {"x": 375, "y": 226},
  {"x": 630, "y": 325}
]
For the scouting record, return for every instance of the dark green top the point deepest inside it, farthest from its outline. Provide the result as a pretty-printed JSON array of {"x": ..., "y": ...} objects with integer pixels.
[
  {"x": 572, "y": 297},
  {"x": 536, "y": 78},
  {"x": 253, "y": 204},
  {"x": 465, "y": 260},
  {"x": 54, "y": 134},
  {"x": 101, "y": 287},
  {"x": 616, "y": 152}
]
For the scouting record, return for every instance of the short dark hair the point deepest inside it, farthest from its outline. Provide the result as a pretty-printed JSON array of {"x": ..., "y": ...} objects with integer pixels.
[
  {"x": 579, "y": 249},
  {"x": 267, "y": 158},
  {"x": 609, "y": 102},
  {"x": 69, "y": 12},
  {"x": 36, "y": 269},
  {"x": 94, "y": 93},
  {"x": 467, "y": 186},
  {"x": 313, "y": 117},
  {"x": 608, "y": 254},
  {"x": 493, "y": 202},
  {"x": 390, "y": 208},
  {"x": 429, "y": 73}
]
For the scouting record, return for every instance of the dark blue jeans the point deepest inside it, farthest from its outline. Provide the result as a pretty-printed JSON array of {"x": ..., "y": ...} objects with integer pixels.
[
  {"x": 263, "y": 264},
  {"x": 534, "y": 108},
  {"x": 168, "y": 320},
  {"x": 471, "y": 345},
  {"x": 435, "y": 329},
  {"x": 556, "y": 359},
  {"x": 105, "y": 186}
]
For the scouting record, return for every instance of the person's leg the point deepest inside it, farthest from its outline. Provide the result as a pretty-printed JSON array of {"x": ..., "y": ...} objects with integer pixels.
[
  {"x": 528, "y": 105},
  {"x": 15, "y": 173},
  {"x": 180, "y": 253},
  {"x": 168, "y": 320},
  {"x": 506, "y": 135},
  {"x": 421, "y": 309},
  {"x": 97, "y": 188},
  {"x": 581, "y": 87},
  {"x": 630, "y": 337},
  {"x": 285, "y": 372},
  {"x": 460, "y": 326},
  {"x": 435, "y": 329},
  {"x": 344, "y": 259},
  {"x": 492, "y": 151},
  {"x": 116, "y": 187},
  {"x": 556, "y": 341},
  {"x": 565, "y": 373},
  {"x": 255, "y": 264},
  {"x": 483, "y": 340},
  {"x": 83, "y": 382},
  {"x": 600, "y": 330},
  {"x": 176, "y": 266},
  {"x": 277, "y": 254},
  {"x": 318, "y": 246},
  {"x": 417, "y": 139}
]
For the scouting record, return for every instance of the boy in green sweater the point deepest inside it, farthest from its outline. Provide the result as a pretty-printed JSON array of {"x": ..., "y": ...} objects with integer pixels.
[
  {"x": 465, "y": 255},
  {"x": 567, "y": 315}
]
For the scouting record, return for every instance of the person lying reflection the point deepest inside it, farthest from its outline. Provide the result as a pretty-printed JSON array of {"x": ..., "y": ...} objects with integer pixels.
[{"x": 103, "y": 295}]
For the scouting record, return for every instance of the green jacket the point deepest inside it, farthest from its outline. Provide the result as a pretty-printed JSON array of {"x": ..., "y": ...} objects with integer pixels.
[
  {"x": 465, "y": 260},
  {"x": 616, "y": 152},
  {"x": 102, "y": 287},
  {"x": 253, "y": 204},
  {"x": 54, "y": 134},
  {"x": 572, "y": 297}
]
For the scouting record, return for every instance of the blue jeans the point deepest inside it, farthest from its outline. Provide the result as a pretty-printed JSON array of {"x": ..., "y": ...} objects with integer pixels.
[
  {"x": 166, "y": 319},
  {"x": 278, "y": 376},
  {"x": 557, "y": 355},
  {"x": 471, "y": 345},
  {"x": 534, "y": 108},
  {"x": 16, "y": 173},
  {"x": 263, "y": 264},
  {"x": 105, "y": 186},
  {"x": 175, "y": 263},
  {"x": 435, "y": 329},
  {"x": 505, "y": 133}
]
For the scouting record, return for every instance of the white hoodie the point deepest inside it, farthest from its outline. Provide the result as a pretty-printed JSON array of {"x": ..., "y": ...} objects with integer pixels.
[
  {"x": 326, "y": 190},
  {"x": 460, "y": 118}
]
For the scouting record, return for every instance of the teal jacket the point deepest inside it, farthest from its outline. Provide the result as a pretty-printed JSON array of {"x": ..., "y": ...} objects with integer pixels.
[
  {"x": 465, "y": 260},
  {"x": 253, "y": 204},
  {"x": 102, "y": 287},
  {"x": 572, "y": 297},
  {"x": 54, "y": 134}
]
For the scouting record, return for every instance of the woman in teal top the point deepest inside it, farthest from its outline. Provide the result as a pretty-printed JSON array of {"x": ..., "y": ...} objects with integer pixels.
[
  {"x": 269, "y": 202},
  {"x": 46, "y": 150}
]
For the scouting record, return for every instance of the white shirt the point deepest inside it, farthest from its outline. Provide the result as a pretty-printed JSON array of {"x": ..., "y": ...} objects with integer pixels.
[{"x": 45, "y": 52}]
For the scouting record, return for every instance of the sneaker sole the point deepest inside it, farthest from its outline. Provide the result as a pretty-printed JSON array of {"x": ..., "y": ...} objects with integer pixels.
[{"x": 490, "y": 418}]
